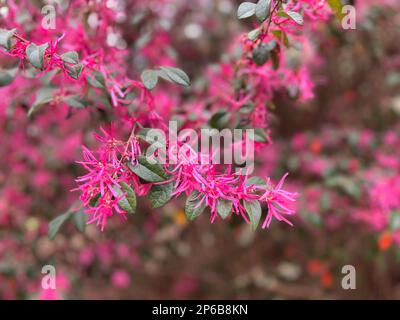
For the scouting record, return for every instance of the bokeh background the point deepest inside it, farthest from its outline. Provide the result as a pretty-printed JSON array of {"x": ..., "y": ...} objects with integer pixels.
[{"x": 341, "y": 150}]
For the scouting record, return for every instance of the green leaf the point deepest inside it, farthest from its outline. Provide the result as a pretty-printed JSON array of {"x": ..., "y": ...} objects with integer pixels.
[
  {"x": 174, "y": 75},
  {"x": 253, "y": 35},
  {"x": 262, "y": 10},
  {"x": 143, "y": 134},
  {"x": 394, "y": 220},
  {"x": 43, "y": 97},
  {"x": 70, "y": 57},
  {"x": 75, "y": 101},
  {"x": 246, "y": 9},
  {"x": 127, "y": 203},
  {"x": 247, "y": 108},
  {"x": 224, "y": 208},
  {"x": 75, "y": 70},
  {"x": 6, "y": 38},
  {"x": 54, "y": 225},
  {"x": 151, "y": 172},
  {"x": 219, "y": 120},
  {"x": 257, "y": 181},
  {"x": 253, "y": 209},
  {"x": 7, "y": 76},
  {"x": 261, "y": 54},
  {"x": 149, "y": 78},
  {"x": 260, "y": 135},
  {"x": 96, "y": 79},
  {"x": 281, "y": 36},
  {"x": 296, "y": 17},
  {"x": 79, "y": 219},
  {"x": 191, "y": 203},
  {"x": 35, "y": 54},
  {"x": 160, "y": 194},
  {"x": 337, "y": 8}
]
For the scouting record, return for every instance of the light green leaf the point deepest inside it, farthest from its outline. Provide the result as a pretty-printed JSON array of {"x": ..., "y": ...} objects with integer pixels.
[
  {"x": 151, "y": 172},
  {"x": 246, "y": 10},
  {"x": 96, "y": 79},
  {"x": 149, "y": 78},
  {"x": 6, "y": 38},
  {"x": 224, "y": 208},
  {"x": 174, "y": 75},
  {"x": 337, "y": 8},
  {"x": 43, "y": 97},
  {"x": 262, "y": 10},
  {"x": 54, "y": 225},
  {"x": 296, "y": 17},
  {"x": 127, "y": 203},
  {"x": 257, "y": 181},
  {"x": 160, "y": 194}
]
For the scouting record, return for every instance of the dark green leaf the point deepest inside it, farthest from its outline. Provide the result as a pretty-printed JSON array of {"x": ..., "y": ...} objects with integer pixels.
[
  {"x": 54, "y": 225},
  {"x": 160, "y": 194},
  {"x": 6, "y": 38},
  {"x": 219, "y": 120},
  {"x": 151, "y": 172},
  {"x": 253, "y": 35},
  {"x": 75, "y": 70},
  {"x": 35, "y": 54},
  {"x": 253, "y": 209},
  {"x": 75, "y": 101},
  {"x": 224, "y": 208}
]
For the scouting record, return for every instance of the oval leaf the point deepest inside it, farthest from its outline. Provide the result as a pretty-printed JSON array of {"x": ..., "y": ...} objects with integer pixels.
[
  {"x": 192, "y": 207},
  {"x": 35, "y": 54},
  {"x": 246, "y": 9},
  {"x": 149, "y": 78},
  {"x": 262, "y": 9},
  {"x": 151, "y": 172},
  {"x": 253, "y": 209},
  {"x": 54, "y": 225},
  {"x": 127, "y": 203},
  {"x": 79, "y": 219},
  {"x": 174, "y": 75}
]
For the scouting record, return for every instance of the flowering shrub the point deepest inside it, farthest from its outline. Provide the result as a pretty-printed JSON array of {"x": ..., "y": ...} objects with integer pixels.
[{"x": 80, "y": 103}]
